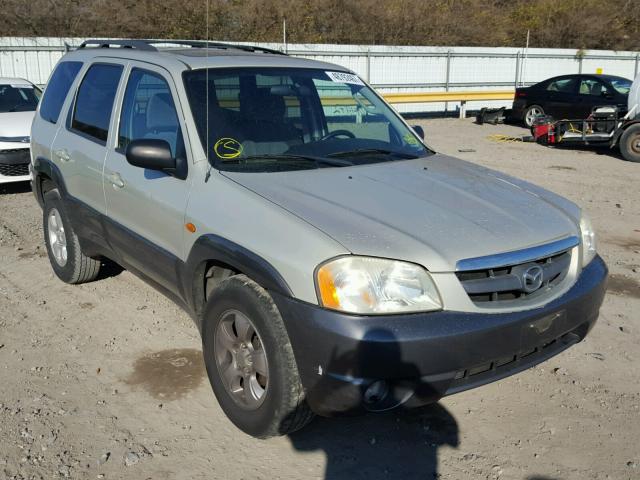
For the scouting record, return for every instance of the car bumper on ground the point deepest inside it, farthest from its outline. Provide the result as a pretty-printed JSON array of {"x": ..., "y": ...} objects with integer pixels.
[
  {"x": 350, "y": 364},
  {"x": 14, "y": 164}
]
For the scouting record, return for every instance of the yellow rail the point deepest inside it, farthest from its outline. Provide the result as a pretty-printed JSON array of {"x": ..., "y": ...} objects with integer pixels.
[
  {"x": 423, "y": 97},
  {"x": 460, "y": 96}
]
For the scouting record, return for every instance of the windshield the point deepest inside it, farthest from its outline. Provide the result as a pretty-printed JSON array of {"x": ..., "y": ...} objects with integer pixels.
[
  {"x": 276, "y": 119},
  {"x": 18, "y": 98},
  {"x": 622, "y": 85}
]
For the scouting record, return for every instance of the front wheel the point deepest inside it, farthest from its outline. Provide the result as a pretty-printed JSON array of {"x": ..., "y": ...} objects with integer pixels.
[
  {"x": 630, "y": 143},
  {"x": 531, "y": 113},
  {"x": 250, "y": 362}
]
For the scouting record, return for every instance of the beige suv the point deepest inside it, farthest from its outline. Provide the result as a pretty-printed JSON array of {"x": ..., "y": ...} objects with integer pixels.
[{"x": 332, "y": 261}]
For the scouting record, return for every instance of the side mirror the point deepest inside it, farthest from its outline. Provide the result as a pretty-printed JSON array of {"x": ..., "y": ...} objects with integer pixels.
[
  {"x": 154, "y": 154},
  {"x": 419, "y": 131},
  {"x": 606, "y": 94}
]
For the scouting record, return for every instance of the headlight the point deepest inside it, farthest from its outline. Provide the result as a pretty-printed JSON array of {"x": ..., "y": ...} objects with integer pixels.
[
  {"x": 588, "y": 239},
  {"x": 366, "y": 285}
]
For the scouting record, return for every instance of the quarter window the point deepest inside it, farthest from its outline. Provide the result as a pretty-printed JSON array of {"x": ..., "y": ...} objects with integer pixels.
[
  {"x": 57, "y": 90},
  {"x": 148, "y": 111},
  {"x": 94, "y": 101}
]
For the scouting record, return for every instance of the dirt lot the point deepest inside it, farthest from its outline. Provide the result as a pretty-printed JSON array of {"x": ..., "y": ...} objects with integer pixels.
[{"x": 105, "y": 380}]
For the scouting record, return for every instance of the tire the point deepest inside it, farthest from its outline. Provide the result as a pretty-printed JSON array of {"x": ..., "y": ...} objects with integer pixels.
[
  {"x": 530, "y": 113},
  {"x": 70, "y": 265},
  {"x": 282, "y": 408},
  {"x": 630, "y": 143}
]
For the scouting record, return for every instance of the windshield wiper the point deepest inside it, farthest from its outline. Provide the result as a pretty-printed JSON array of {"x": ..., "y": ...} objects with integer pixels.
[
  {"x": 370, "y": 151},
  {"x": 334, "y": 162}
]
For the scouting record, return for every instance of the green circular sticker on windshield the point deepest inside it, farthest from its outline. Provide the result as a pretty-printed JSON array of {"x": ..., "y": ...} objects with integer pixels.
[
  {"x": 410, "y": 139},
  {"x": 227, "y": 148}
]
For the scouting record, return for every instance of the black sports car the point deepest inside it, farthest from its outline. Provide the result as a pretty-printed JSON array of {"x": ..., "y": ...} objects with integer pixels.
[{"x": 569, "y": 96}]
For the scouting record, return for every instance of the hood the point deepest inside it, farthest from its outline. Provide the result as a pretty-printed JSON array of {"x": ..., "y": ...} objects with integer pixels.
[
  {"x": 16, "y": 124},
  {"x": 432, "y": 211}
]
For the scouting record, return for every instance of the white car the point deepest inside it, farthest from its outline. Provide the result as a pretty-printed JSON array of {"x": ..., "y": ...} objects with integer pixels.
[{"x": 18, "y": 101}]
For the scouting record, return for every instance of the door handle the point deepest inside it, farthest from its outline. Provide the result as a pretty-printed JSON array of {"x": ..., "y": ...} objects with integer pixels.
[
  {"x": 116, "y": 180},
  {"x": 63, "y": 155}
]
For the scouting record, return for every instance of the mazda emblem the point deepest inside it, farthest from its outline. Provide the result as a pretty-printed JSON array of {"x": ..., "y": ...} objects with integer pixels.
[{"x": 532, "y": 278}]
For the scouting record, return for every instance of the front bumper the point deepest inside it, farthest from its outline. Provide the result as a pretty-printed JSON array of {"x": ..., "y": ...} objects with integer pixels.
[{"x": 422, "y": 357}]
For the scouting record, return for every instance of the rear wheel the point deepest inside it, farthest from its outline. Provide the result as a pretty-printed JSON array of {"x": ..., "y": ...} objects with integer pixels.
[
  {"x": 68, "y": 261},
  {"x": 630, "y": 143},
  {"x": 250, "y": 361},
  {"x": 531, "y": 113}
]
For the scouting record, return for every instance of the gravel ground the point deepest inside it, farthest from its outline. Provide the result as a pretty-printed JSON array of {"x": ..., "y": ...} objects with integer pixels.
[{"x": 106, "y": 380}]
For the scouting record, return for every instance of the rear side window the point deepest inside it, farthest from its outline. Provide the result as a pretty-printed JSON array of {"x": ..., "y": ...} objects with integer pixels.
[
  {"x": 94, "y": 101},
  {"x": 57, "y": 90},
  {"x": 564, "y": 85}
]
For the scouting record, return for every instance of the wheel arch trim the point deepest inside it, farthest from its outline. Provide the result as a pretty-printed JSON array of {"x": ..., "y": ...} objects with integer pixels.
[
  {"x": 214, "y": 248},
  {"x": 43, "y": 167}
]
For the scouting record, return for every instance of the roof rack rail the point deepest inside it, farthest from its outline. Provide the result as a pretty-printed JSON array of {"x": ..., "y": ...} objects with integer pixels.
[
  {"x": 205, "y": 44},
  {"x": 148, "y": 45},
  {"x": 137, "y": 44}
]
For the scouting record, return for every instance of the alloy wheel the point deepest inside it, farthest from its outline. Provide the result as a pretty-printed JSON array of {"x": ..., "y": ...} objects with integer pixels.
[
  {"x": 241, "y": 360},
  {"x": 532, "y": 113},
  {"x": 57, "y": 237}
]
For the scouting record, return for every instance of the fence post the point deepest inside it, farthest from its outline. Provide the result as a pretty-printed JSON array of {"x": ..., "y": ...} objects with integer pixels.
[
  {"x": 515, "y": 83},
  {"x": 368, "y": 65},
  {"x": 635, "y": 70},
  {"x": 446, "y": 80},
  {"x": 580, "y": 64}
]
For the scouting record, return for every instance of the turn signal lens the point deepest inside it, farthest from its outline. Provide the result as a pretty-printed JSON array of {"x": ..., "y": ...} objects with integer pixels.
[
  {"x": 327, "y": 289},
  {"x": 368, "y": 285}
]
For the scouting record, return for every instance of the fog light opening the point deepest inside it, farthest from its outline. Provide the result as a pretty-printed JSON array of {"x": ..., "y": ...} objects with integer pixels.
[{"x": 376, "y": 392}]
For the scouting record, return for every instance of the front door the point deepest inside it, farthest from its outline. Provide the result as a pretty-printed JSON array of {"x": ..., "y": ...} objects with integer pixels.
[
  {"x": 146, "y": 208},
  {"x": 592, "y": 93}
]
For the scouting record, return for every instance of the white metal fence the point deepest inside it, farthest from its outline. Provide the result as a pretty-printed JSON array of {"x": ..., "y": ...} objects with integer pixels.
[{"x": 388, "y": 68}]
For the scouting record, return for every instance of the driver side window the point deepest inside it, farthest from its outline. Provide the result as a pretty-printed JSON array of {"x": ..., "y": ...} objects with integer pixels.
[
  {"x": 593, "y": 87},
  {"x": 148, "y": 112}
]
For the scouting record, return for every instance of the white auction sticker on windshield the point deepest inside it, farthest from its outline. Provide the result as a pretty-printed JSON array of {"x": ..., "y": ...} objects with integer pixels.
[
  {"x": 22, "y": 85},
  {"x": 342, "y": 77}
]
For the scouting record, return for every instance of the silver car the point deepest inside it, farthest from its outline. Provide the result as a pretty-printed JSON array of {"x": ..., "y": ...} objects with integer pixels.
[{"x": 332, "y": 261}]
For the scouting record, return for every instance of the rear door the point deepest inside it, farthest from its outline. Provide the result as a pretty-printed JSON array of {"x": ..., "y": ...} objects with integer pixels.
[
  {"x": 146, "y": 208},
  {"x": 48, "y": 117},
  {"x": 561, "y": 97},
  {"x": 80, "y": 147}
]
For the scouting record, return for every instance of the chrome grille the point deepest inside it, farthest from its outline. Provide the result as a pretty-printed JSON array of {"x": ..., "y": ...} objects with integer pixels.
[{"x": 537, "y": 272}]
